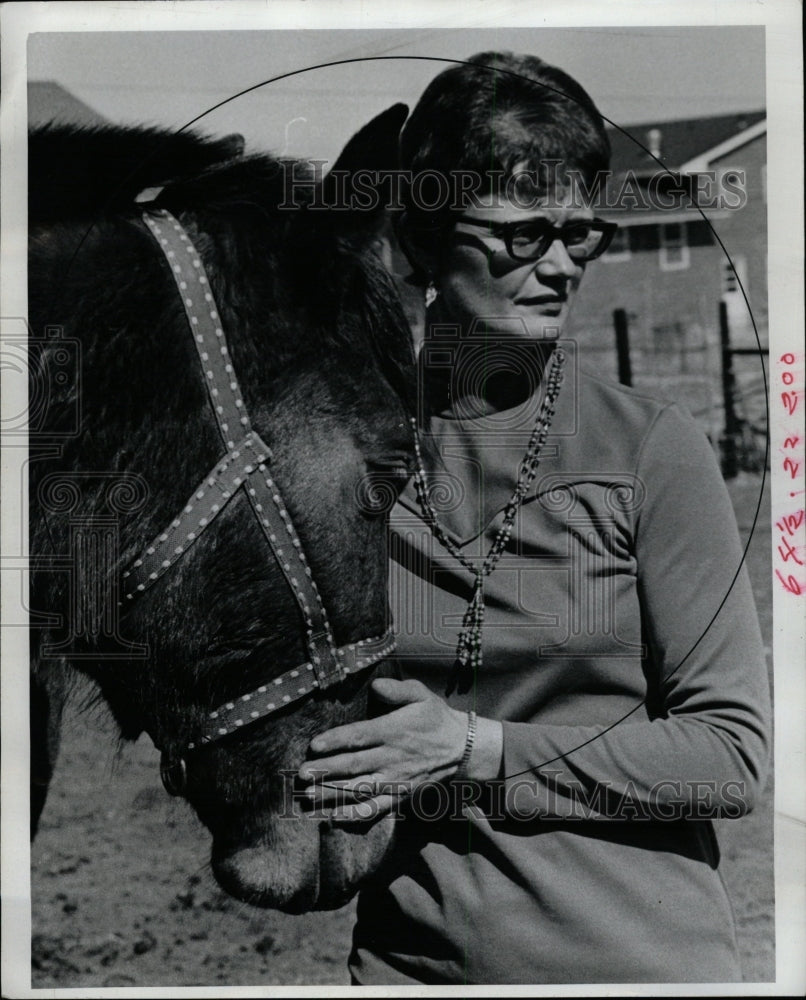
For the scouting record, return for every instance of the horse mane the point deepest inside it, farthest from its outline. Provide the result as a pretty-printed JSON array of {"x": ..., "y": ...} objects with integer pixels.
[
  {"x": 78, "y": 172},
  {"x": 87, "y": 174}
]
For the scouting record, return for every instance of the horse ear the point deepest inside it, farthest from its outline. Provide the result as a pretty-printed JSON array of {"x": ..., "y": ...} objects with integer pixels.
[
  {"x": 375, "y": 146},
  {"x": 373, "y": 153}
]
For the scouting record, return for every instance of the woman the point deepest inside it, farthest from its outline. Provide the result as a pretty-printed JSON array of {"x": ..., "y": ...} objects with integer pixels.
[{"x": 607, "y": 697}]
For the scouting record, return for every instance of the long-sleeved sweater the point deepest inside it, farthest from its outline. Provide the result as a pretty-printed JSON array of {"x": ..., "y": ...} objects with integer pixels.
[{"x": 622, "y": 653}]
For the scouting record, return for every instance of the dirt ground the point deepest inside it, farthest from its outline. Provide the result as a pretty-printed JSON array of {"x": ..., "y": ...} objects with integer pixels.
[{"x": 122, "y": 893}]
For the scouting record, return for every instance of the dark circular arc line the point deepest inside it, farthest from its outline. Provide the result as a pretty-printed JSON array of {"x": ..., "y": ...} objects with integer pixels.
[{"x": 494, "y": 69}]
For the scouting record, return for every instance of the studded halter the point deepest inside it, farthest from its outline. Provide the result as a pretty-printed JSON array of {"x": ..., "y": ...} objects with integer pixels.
[{"x": 244, "y": 466}]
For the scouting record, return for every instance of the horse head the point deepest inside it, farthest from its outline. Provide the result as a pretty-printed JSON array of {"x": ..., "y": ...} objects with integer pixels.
[{"x": 149, "y": 522}]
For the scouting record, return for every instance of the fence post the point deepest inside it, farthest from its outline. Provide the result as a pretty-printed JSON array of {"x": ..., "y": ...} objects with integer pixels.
[
  {"x": 622, "y": 346},
  {"x": 728, "y": 442}
]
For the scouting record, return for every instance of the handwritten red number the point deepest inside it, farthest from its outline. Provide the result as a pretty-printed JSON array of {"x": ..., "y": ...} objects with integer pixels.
[
  {"x": 791, "y": 522},
  {"x": 790, "y": 584},
  {"x": 787, "y": 553}
]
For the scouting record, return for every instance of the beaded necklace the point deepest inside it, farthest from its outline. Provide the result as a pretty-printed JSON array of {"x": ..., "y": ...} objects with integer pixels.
[{"x": 468, "y": 649}]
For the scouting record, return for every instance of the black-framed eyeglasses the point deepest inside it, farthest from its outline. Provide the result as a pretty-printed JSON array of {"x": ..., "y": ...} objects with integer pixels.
[{"x": 531, "y": 239}]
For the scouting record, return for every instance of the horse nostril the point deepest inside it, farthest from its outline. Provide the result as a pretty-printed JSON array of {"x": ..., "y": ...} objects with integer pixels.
[{"x": 174, "y": 774}]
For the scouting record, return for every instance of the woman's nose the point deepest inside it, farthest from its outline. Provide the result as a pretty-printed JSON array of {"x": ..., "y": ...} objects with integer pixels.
[{"x": 556, "y": 262}]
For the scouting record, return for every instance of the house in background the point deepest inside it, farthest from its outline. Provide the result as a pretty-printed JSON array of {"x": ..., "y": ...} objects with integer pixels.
[{"x": 671, "y": 264}]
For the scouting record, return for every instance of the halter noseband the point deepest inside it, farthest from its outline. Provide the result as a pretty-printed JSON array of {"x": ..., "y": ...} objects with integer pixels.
[{"x": 244, "y": 466}]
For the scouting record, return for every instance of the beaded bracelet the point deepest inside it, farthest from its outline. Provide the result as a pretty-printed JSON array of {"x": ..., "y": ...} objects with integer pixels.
[{"x": 460, "y": 773}]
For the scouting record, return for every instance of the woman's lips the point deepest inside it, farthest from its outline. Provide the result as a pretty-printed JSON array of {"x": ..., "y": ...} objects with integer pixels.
[{"x": 547, "y": 306}]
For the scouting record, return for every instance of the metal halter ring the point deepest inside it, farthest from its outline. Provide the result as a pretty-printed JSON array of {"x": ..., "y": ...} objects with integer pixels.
[{"x": 174, "y": 774}]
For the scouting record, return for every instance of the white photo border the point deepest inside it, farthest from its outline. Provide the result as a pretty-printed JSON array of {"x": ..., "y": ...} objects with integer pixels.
[{"x": 781, "y": 19}]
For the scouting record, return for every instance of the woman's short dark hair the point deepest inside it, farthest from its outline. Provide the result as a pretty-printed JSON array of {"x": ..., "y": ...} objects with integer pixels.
[{"x": 500, "y": 117}]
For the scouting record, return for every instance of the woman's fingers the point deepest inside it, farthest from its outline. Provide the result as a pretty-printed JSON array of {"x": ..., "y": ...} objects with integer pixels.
[
  {"x": 364, "y": 811},
  {"x": 373, "y": 732},
  {"x": 327, "y": 794},
  {"x": 341, "y": 767},
  {"x": 395, "y": 692},
  {"x": 418, "y": 740},
  {"x": 355, "y": 736}
]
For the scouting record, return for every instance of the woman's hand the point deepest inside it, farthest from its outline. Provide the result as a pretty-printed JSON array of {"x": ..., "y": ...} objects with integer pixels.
[{"x": 374, "y": 763}]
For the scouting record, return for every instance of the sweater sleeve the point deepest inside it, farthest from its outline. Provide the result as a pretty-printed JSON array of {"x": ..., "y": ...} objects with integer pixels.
[{"x": 703, "y": 751}]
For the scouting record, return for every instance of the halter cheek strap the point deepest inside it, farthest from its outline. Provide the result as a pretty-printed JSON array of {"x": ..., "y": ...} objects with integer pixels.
[{"x": 244, "y": 466}]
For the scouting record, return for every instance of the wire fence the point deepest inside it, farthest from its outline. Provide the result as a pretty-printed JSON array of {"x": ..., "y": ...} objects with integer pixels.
[{"x": 686, "y": 363}]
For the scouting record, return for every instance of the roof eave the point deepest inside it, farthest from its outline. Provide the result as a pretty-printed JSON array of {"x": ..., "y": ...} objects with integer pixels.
[{"x": 700, "y": 163}]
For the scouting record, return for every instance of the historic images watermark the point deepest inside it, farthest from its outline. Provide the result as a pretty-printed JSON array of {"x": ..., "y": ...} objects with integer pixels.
[
  {"x": 545, "y": 794},
  {"x": 551, "y": 185},
  {"x": 79, "y": 513}
]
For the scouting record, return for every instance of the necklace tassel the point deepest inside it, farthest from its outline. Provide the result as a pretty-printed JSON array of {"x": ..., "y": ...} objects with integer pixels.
[{"x": 469, "y": 645}]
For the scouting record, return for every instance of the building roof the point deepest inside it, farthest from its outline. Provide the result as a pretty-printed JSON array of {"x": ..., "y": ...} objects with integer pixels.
[
  {"x": 48, "y": 102},
  {"x": 680, "y": 142}
]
